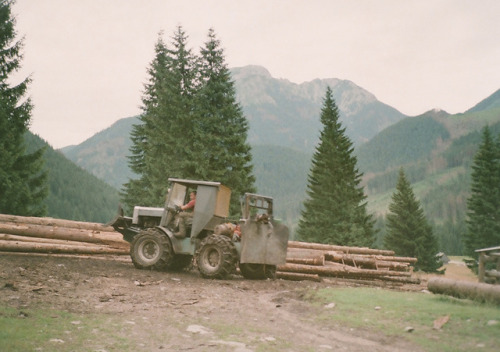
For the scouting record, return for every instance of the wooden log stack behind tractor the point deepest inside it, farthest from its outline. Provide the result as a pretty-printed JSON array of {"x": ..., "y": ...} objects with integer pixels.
[{"x": 257, "y": 243}]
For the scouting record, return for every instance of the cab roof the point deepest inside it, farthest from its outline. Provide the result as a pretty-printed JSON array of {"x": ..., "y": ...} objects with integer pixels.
[{"x": 194, "y": 183}]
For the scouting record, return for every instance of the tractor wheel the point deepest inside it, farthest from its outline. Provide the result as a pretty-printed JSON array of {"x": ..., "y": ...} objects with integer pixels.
[
  {"x": 217, "y": 257},
  {"x": 180, "y": 262},
  {"x": 257, "y": 271},
  {"x": 151, "y": 249}
]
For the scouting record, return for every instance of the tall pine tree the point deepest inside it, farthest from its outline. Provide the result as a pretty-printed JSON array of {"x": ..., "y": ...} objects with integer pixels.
[
  {"x": 408, "y": 232},
  {"x": 191, "y": 125},
  {"x": 23, "y": 185},
  {"x": 221, "y": 129},
  {"x": 335, "y": 211},
  {"x": 483, "y": 223},
  {"x": 137, "y": 191}
]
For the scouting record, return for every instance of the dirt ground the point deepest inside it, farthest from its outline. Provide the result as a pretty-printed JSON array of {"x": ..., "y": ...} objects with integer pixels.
[{"x": 182, "y": 311}]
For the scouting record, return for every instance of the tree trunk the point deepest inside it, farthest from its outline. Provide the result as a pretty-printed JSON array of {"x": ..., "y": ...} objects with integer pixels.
[
  {"x": 71, "y": 234},
  {"x": 465, "y": 289},
  {"x": 410, "y": 260},
  {"x": 55, "y": 222},
  {"x": 334, "y": 269},
  {"x": 345, "y": 249},
  {"x": 297, "y": 276},
  {"x": 365, "y": 261},
  {"x": 320, "y": 260},
  {"x": 32, "y": 247},
  {"x": 37, "y": 240}
]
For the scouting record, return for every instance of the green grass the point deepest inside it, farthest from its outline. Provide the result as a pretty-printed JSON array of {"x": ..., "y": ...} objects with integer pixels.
[
  {"x": 45, "y": 329},
  {"x": 466, "y": 330},
  {"x": 49, "y": 330}
]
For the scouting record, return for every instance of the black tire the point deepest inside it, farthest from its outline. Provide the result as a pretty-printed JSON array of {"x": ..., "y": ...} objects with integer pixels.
[
  {"x": 257, "y": 271},
  {"x": 151, "y": 249},
  {"x": 217, "y": 257},
  {"x": 180, "y": 262}
]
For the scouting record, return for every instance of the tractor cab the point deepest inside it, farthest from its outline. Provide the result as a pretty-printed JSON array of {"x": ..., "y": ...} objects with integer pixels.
[{"x": 211, "y": 208}]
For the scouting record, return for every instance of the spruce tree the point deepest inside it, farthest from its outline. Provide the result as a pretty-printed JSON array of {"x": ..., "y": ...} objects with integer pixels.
[
  {"x": 408, "y": 232},
  {"x": 483, "y": 223},
  {"x": 135, "y": 191},
  {"x": 335, "y": 211},
  {"x": 220, "y": 131},
  {"x": 191, "y": 126},
  {"x": 23, "y": 185},
  {"x": 161, "y": 143}
]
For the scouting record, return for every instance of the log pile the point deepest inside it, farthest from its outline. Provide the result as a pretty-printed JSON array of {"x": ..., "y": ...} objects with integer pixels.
[
  {"x": 305, "y": 261},
  {"x": 55, "y": 236},
  {"x": 312, "y": 261}
]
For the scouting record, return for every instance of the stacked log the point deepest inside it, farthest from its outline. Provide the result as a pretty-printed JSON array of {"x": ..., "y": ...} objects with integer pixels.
[
  {"x": 56, "y": 236},
  {"x": 305, "y": 261},
  {"x": 357, "y": 263}
]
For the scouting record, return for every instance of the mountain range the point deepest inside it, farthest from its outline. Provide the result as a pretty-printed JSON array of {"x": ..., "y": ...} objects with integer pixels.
[
  {"x": 287, "y": 114},
  {"x": 280, "y": 113},
  {"x": 436, "y": 149}
]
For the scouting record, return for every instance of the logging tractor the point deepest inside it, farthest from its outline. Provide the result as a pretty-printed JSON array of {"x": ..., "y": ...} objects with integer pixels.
[{"x": 256, "y": 243}]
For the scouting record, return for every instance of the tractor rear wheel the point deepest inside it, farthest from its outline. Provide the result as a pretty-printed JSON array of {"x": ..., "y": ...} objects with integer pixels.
[
  {"x": 257, "y": 271},
  {"x": 151, "y": 249},
  {"x": 217, "y": 257}
]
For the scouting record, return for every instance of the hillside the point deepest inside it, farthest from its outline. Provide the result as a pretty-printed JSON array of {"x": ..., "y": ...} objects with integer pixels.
[
  {"x": 434, "y": 148},
  {"x": 282, "y": 174},
  {"x": 287, "y": 114},
  {"x": 437, "y": 152},
  {"x": 105, "y": 153},
  {"x": 74, "y": 193},
  {"x": 280, "y": 113}
]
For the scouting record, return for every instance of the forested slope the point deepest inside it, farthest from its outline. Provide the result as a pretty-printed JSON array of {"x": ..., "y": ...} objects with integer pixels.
[
  {"x": 282, "y": 174},
  {"x": 437, "y": 159},
  {"x": 105, "y": 153},
  {"x": 74, "y": 193}
]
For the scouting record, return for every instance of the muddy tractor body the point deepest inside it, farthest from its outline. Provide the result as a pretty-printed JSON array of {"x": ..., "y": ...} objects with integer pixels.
[{"x": 255, "y": 243}]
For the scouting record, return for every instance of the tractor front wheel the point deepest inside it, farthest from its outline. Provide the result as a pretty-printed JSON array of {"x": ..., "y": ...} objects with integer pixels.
[
  {"x": 217, "y": 257},
  {"x": 151, "y": 249}
]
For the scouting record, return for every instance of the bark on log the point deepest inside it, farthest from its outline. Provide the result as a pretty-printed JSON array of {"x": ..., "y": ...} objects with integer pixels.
[
  {"x": 298, "y": 252},
  {"x": 320, "y": 260},
  {"x": 56, "y": 222},
  {"x": 11, "y": 246},
  {"x": 365, "y": 261},
  {"x": 71, "y": 234},
  {"x": 301, "y": 253},
  {"x": 464, "y": 289},
  {"x": 297, "y": 276},
  {"x": 410, "y": 260},
  {"x": 345, "y": 249},
  {"x": 38, "y": 240},
  {"x": 335, "y": 269}
]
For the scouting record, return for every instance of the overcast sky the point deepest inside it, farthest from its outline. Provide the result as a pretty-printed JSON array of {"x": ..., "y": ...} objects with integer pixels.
[{"x": 88, "y": 58}]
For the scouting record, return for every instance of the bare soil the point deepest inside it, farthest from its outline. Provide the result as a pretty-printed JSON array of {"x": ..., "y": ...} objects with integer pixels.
[{"x": 182, "y": 311}]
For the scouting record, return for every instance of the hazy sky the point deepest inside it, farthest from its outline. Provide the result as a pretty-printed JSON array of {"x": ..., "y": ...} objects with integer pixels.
[{"x": 88, "y": 58}]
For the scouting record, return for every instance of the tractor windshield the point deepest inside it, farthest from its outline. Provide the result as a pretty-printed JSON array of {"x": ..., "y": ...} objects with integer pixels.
[{"x": 177, "y": 195}]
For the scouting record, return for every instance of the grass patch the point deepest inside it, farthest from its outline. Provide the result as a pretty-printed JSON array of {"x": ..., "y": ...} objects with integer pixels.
[
  {"x": 49, "y": 330},
  {"x": 390, "y": 313}
]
